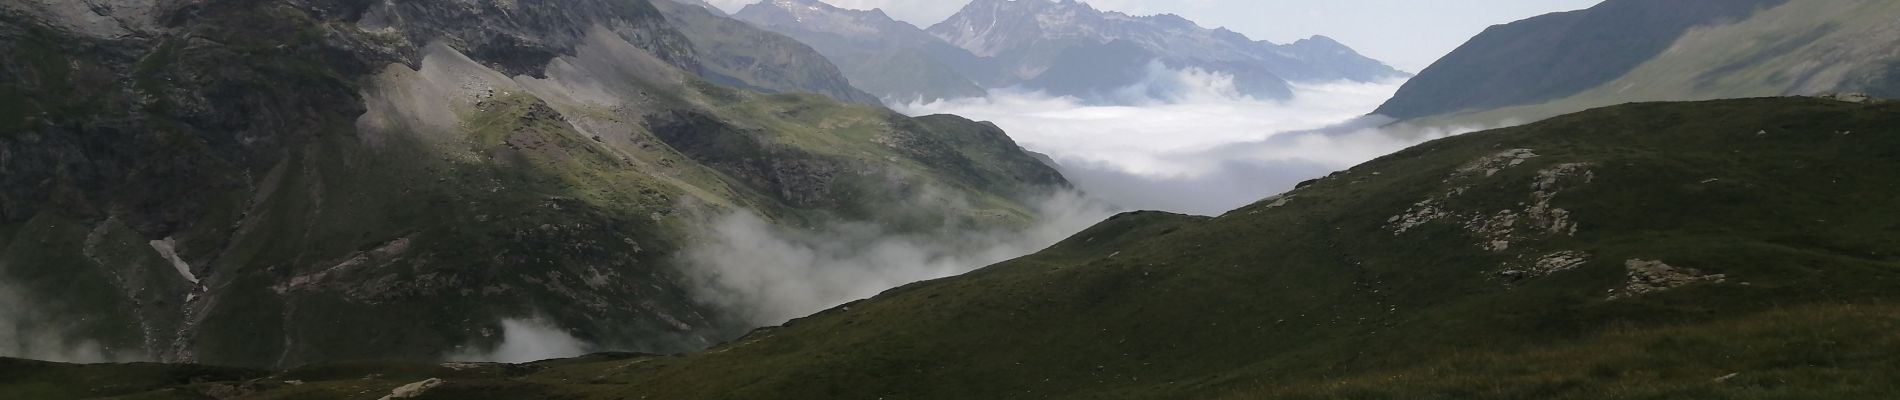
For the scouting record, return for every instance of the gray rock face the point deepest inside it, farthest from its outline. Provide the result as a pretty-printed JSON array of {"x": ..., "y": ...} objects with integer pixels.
[
  {"x": 1650, "y": 277},
  {"x": 101, "y": 19},
  {"x": 519, "y": 36}
]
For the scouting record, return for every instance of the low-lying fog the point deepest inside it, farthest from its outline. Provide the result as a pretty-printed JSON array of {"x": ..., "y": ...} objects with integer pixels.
[{"x": 1190, "y": 143}]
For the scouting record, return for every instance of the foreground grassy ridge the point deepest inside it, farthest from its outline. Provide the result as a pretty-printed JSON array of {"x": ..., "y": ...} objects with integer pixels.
[
  {"x": 1837, "y": 351},
  {"x": 1314, "y": 295}
]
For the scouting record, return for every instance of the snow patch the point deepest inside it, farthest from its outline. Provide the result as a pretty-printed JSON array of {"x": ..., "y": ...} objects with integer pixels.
[{"x": 167, "y": 248}]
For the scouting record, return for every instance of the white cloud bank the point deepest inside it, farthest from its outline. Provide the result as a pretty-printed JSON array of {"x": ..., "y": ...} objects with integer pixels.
[
  {"x": 1192, "y": 144},
  {"x": 526, "y": 340},
  {"x": 768, "y": 275}
]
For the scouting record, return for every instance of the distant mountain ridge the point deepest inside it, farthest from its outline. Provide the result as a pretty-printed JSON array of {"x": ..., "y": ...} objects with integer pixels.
[
  {"x": 745, "y": 56},
  {"x": 705, "y": 5},
  {"x": 1637, "y": 50},
  {"x": 1041, "y": 44},
  {"x": 884, "y": 56},
  {"x": 1028, "y": 38}
]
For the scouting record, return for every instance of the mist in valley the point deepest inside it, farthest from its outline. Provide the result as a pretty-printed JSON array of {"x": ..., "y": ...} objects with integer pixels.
[
  {"x": 28, "y": 332},
  {"x": 525, "y": 340},
  {"x": 1187, "y": 143},
  {"x": 1191, "y": 143}
]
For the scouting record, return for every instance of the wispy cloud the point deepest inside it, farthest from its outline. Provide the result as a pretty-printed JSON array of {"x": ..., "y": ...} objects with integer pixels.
[
  {"x": 25, "y": 332},
  {"x": 525, "y": 340}
]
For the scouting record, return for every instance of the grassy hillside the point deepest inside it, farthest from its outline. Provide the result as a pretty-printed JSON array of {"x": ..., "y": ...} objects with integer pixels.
[
  {"x": 1711, "y": 51},
  {"x": 1723, "y": 249}
]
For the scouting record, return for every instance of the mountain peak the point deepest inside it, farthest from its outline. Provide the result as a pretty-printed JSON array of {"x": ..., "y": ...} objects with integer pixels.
[
  {"x": 800, "y": 5},
  {"x": 1174, "y": 20},
  {"x": 1322, "y": 39}
]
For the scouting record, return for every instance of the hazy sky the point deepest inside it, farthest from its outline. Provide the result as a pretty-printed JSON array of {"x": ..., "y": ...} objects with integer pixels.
[{"x": 1409, "y": 34}]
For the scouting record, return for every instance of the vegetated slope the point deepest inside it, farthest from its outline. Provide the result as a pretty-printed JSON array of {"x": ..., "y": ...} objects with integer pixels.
[
  {"x": 1723, "y": 249},
  {"x": 273, "y": 183},
  {"x": 1623, "y": 51},
  {"x": 892, "y": 59},
  {"x": 1516, "y": 263}
]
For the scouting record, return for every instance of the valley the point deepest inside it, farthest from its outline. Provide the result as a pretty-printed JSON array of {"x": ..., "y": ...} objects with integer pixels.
[{"x": 804, "y": 199}]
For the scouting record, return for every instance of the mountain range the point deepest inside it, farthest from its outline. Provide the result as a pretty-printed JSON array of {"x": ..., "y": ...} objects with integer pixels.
[
  {"x": 323, "y": 199},
  {"x": 278, "y": 183},
  {"x": 1711, "y": 250},
  {"x": 1063, "y": 47},
  {"x": 1623, "y": 51},
  {"x": 889, "y": 58}
]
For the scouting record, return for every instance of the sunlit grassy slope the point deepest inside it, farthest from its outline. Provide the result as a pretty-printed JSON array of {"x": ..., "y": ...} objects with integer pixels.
[
  {"x": 1512, "y": 263},
  {"x": 1797, "y": 47}
]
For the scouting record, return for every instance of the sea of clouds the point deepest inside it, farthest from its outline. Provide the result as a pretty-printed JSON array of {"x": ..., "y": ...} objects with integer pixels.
[
  {"x": 1188, "y": 142},
  {"x": 1181, "y": 140}
]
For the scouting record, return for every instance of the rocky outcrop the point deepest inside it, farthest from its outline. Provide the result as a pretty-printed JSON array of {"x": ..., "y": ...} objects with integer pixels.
[
  {"x": 1646, "y": 277},
  {"x": 1498, "y": 230},
  {"x": 1460, "y": 180},
  {"x": 413, "y": 390},
  {"x": 1546, "y": 265},
  {"x": 1850, "y": 97}
]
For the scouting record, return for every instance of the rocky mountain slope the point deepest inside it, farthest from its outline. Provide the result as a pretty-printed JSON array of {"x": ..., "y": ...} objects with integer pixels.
[
  {"x": 738, "y": 54},
  {"x": 1710, "y": 250},
  {"x": 1064, "y": 47},
  {"x": 703, "y": 4},
  {"x": 1633, "y": 50},
  {"x": 890, "y": 58},
  {"x": 275, "y": 183}
]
